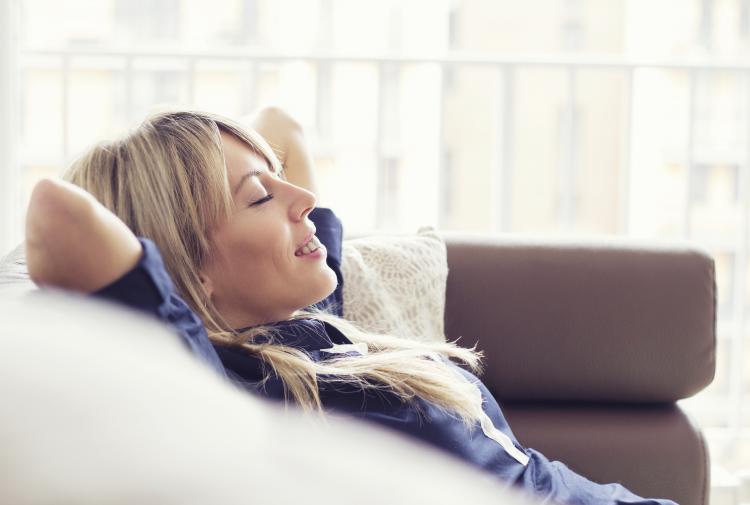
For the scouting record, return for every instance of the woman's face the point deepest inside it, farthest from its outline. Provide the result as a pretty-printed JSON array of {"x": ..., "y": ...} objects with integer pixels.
[{"x": 254, "y": 275}]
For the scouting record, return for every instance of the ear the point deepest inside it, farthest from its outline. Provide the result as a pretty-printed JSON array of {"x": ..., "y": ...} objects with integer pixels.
[{"x": 207, "y": 285}]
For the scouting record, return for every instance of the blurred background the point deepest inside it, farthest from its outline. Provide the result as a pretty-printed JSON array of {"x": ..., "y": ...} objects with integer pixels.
[{"x": 600, "y": 118}]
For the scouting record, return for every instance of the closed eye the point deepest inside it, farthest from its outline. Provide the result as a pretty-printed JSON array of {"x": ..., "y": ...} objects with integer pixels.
[{"x": 262, "y": 200}]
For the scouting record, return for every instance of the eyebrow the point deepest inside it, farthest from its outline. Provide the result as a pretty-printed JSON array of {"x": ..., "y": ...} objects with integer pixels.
[{"x": 252, "y": 173}]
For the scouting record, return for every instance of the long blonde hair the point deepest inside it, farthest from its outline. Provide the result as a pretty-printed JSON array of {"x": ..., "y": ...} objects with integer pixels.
[{"x": 167, "y": 181}]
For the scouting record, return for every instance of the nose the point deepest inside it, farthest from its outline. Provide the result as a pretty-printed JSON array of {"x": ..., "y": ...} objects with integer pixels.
[{"x": 302, "y": 204}]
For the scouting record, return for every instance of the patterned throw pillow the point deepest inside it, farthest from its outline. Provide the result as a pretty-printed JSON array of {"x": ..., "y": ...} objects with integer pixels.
[{"x": 396, "y": 284}]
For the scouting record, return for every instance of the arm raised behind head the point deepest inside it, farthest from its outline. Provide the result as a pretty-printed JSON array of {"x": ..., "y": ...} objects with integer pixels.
[
  {"x": 287, "y": 138},
  {"x": 73, "y": 242}
]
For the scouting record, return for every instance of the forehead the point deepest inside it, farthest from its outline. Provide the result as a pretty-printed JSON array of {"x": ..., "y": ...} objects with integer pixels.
[{"x": 240, "y": 158}]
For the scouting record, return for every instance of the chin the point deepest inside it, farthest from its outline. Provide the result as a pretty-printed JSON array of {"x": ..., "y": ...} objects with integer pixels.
[{"x": 323, "y": 291}]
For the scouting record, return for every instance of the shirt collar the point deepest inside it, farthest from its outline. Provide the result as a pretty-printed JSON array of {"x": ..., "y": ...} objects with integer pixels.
[{"x": 306, "y": 334}]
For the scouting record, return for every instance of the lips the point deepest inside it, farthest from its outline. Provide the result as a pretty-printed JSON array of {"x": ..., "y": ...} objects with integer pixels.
[
  {"x": 313, "y": 245},
  {"x": 307, "y": 239},
  {"x": 309, "y": 244}
]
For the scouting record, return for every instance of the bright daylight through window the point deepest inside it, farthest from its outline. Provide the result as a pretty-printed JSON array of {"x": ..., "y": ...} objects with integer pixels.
[{"x": 582, "y": 118}]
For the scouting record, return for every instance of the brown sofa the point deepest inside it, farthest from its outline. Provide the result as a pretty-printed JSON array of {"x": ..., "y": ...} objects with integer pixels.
[{"x": 588, "y": 347}]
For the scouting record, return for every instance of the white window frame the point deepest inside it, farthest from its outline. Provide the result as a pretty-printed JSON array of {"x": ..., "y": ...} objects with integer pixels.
[{"x": 10, "y": 212}]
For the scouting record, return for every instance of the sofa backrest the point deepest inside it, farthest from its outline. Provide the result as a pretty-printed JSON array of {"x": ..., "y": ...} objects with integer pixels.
[{"x": 598, "y": 321}]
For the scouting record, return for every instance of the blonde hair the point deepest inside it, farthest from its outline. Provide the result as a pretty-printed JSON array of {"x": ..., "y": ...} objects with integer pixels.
[{"x": 167, "y": 181}]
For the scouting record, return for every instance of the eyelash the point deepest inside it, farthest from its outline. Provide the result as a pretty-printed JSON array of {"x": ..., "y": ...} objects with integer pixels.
[
  {"x": 262, "y": 200},
  {"x": 278, "y": 175}
]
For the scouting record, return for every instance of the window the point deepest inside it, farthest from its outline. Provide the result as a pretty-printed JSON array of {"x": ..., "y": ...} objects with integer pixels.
[{"x": 474, "y": 115}]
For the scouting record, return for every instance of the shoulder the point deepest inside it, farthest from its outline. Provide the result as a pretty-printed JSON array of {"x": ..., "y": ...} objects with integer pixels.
[
  {"x": 146, "y": 286},
  {"x": 324, "y": 216}
]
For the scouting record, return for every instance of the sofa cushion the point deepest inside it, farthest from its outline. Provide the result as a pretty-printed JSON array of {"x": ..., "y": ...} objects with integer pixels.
[
  {"x": 574, "y": 319},
  {"x": 101, "y": 405}
]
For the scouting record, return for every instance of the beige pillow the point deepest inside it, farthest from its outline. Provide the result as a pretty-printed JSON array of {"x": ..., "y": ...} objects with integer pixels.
[{"x": 396, "y": 284}]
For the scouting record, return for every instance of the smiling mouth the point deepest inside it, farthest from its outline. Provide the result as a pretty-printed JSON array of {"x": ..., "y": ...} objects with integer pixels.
[{"x": 312, "y": 246}]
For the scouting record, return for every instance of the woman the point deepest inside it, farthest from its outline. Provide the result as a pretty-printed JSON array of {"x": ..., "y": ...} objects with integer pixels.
[{"x": 250, "y": 279}]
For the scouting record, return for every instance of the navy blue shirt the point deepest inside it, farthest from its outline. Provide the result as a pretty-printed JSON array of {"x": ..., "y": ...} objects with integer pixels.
[{"x": 148, "y": 288}]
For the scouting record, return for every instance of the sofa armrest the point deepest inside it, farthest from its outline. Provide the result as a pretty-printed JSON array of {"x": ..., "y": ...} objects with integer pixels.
[{"x": 601, "y": 321}]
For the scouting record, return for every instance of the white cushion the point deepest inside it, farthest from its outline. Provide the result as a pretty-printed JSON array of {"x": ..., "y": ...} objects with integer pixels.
[
  {"x": 396, "y": 284},
  {"x": 100, "y": 405}
]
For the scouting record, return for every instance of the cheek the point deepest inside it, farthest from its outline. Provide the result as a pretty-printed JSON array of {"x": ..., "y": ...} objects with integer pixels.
[{"x": 262, "y": 253}]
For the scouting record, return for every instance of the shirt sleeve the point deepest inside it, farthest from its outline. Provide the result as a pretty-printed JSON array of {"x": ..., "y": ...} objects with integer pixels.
[
  {"x": 148, "y": 288},
  {"x": 330, "y": 232}
]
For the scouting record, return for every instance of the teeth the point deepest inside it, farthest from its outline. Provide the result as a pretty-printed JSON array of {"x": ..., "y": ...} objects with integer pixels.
[{"x": 311, "y": 246}]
